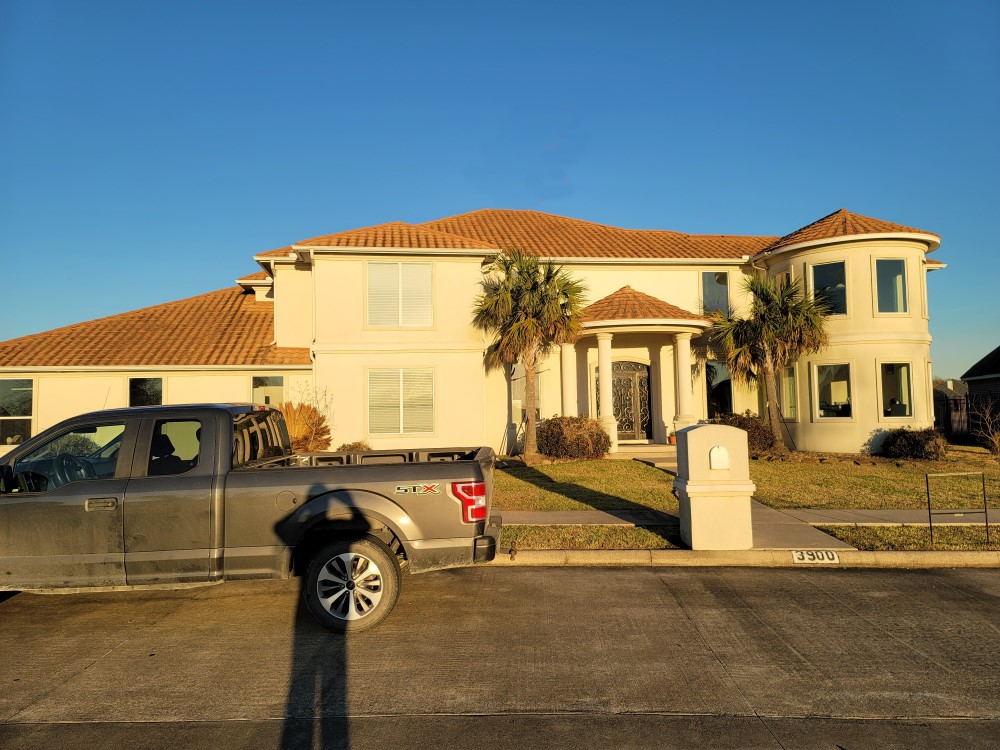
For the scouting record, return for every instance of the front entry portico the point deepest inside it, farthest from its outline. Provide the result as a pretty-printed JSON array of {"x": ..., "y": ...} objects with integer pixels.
[{"x": 629, "y": 329}]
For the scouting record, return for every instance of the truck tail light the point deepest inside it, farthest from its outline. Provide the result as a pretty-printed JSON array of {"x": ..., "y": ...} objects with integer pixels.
[{"x": 473, "y": 498}]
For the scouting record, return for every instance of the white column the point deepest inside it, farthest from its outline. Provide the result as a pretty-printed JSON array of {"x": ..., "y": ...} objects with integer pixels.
[
  {"x": 665, "y": 391},
  {"x": 685, "y": 401},
  {"x": 605, "y": 404},
  {"x": 567, "y": 365}
]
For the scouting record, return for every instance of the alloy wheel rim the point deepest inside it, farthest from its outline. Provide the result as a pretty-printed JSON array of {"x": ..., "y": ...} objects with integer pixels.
[{"x": 349, "y": 586}]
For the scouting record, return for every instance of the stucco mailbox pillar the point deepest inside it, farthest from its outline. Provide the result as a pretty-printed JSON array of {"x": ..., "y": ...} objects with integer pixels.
[{"x": 714, "y": 488}]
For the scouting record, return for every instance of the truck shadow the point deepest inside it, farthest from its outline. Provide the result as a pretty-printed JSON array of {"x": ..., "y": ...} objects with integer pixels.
[{"x": 665, "y": 524}]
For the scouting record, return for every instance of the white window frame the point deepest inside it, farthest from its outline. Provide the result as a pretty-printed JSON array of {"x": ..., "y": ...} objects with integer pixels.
[
  {"x": 281, "y": 400},
  {"x": 729, "y": 296},
  {"x": 31, "y": 415},
  {"x": 847, "y": 284},
  {"x": 817, "y": 415},
  {"x": 402, "y": 401},
  {"x": 401, "y": 294},
  {"x": 906, "y": 292},
  {"x": 879, "y": 363}
]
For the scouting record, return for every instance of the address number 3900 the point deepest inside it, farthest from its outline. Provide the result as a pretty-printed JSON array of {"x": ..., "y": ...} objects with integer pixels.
[{"x": 814, "y": 556}]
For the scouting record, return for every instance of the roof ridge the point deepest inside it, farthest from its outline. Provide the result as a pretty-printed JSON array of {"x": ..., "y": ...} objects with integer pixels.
[{"x": 374, "y": 228}]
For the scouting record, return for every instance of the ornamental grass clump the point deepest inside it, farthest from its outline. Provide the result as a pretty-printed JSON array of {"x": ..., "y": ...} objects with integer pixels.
[
  {"x": 307, "y": 427},
  {"x": 573, "y": 437}
]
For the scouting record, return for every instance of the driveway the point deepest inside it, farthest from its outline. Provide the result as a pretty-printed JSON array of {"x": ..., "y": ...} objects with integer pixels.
[{"x": 566, "y": 657}]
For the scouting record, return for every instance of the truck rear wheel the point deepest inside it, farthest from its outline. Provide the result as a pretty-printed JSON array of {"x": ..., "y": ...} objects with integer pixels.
[{"x": 352, "y": 585}]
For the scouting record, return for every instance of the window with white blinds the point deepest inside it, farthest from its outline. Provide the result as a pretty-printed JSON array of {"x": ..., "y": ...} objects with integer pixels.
[
  {"x": 399, "y": 294},
  {"x": 400, "y": 401}
]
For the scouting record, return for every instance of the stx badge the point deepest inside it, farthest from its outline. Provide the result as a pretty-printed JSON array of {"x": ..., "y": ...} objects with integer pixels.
[{"x": 418, "y": 489}]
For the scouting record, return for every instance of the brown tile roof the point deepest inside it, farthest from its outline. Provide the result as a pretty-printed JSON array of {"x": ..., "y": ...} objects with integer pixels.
[
  {"x": 628, "y": 304},
  {"x": 554, "y": 236},
  {"x": 281, "y": 252},
  {"x": 842, "y": 223},
  {"x": 399, "y": 234},
  {"x": 259, "y": 276},
  {"x": 226, "y": 327}
]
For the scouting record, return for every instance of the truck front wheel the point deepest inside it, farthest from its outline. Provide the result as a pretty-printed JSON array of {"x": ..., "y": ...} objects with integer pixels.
[{"x": 352, "y": 585}]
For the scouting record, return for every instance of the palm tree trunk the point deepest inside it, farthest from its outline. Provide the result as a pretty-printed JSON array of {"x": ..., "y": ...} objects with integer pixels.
[
  {"x": 773, "y": 415},
  {"x": 530, "y": 438}
]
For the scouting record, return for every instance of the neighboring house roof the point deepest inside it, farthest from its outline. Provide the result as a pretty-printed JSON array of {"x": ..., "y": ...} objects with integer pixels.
[
  {"x": 958, "y": 389},
  {"x": 843, "y": 223},
  {"x": 986, "y": 367},
  {"x": 226, "y": 327},
  {"x": 628, "y": 304},
  {"x": 554, "y": 236},
  {"x": 398, "y": 234}
]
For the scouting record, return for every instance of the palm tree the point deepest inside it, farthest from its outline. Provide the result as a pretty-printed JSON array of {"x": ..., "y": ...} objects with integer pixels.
[
  {"x": 781, "y": 326},
  {"x": 527, "y": 306}
]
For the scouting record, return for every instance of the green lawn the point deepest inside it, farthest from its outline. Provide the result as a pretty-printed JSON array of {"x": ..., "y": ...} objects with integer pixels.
[
  {"x": 851, "y": 482},
  {"x": 590, "y": 537},
  {"x": 584, "y": 485},
  {"x": 846, "y": 484},
  {"x": 916, "y": 538}
]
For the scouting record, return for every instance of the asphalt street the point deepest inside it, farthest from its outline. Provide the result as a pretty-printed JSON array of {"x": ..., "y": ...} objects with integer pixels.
[{"x": 519, "y": 658}]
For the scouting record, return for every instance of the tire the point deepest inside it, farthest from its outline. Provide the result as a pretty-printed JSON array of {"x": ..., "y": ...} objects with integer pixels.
[{"x": 352, "y": 584}]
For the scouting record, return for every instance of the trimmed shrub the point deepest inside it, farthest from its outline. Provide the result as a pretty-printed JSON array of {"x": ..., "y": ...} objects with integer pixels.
[
  {"x": 759, "y": 437},
  {"x": 573, "y": 437},
  {"x": 905, "y": 443},
  {"x": 355, "y": 447}
]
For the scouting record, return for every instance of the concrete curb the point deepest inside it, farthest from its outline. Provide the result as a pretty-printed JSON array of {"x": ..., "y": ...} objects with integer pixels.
[{"x": 771, "y": 558}]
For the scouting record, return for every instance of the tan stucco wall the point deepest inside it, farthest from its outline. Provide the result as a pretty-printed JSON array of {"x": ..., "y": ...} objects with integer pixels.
[
  {"x": 340, "y": 309},
  {"x": 61, "y": 395},
  {"x": 460, "y": 414},
  {"x": 293, "y": 305},
  {"x": 864, "y": 339}
]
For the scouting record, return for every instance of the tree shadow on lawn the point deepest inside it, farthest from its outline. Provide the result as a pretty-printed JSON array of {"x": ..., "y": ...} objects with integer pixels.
[{"x": 665, "y": 524}]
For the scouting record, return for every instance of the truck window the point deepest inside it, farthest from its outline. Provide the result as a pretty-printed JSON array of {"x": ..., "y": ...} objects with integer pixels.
[
  {"x": 175, "y": 447},
  {"x": 258, "y": 436},
  {"x": 84, "y": 453}
]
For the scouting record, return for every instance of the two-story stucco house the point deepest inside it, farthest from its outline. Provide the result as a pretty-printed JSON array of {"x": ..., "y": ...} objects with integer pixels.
[{"x": 378, "y": 319}]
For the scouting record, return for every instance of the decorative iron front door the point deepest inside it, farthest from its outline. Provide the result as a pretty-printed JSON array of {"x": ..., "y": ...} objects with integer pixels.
[{"x": 630, "y": 397}]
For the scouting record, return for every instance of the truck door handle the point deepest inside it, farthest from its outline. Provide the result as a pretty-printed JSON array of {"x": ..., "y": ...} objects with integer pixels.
[{"x": 101, "y": 503}]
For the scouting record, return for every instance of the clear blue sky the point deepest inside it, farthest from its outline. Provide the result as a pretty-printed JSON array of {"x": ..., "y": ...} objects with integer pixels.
[{"x": 149, "y": 149}]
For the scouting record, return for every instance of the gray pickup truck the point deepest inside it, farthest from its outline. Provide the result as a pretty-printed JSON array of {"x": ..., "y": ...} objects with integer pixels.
[{"x": 185, "y": 495}]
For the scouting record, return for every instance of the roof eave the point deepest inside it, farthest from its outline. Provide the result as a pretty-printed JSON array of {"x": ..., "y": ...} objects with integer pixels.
[
  {"x": 932, "y": 241},
  {"x": 644, "y": 261},
  {"x": 305, "y": 251},
  {"x": 649, "y": 324}
]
